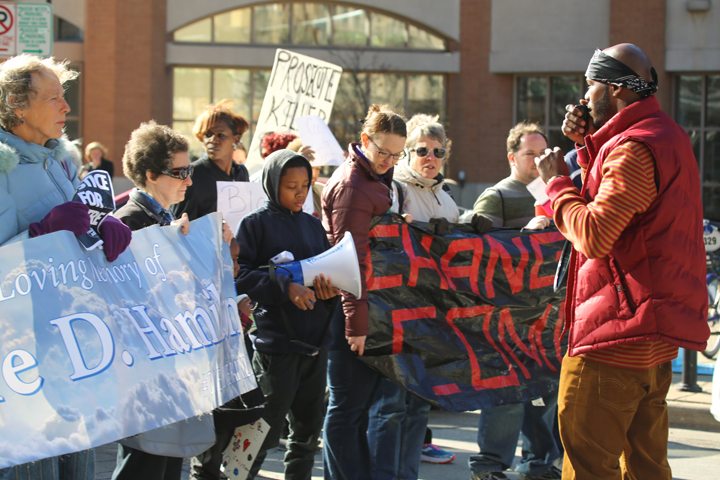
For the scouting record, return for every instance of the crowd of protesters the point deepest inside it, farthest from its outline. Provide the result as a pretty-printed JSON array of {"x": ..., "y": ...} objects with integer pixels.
[{"x": 307, "y": 341}]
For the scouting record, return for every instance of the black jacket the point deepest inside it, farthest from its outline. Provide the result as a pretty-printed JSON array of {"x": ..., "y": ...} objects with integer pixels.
[
  {"x": 263, "y": 234},
  {"x": 135, "y": 214},
  {"x": 201, "y": 196}
]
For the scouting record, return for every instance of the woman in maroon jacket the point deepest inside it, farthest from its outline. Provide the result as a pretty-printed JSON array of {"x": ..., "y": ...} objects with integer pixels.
[{"x": 358, "y": 191}]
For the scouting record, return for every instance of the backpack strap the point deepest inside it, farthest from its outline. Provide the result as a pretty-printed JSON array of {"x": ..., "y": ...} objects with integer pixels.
[{"x": 400, "y": 196}]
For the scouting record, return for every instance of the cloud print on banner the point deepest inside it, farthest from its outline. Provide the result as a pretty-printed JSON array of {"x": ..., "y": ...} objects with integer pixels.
[{"x": 93, "y": 352}]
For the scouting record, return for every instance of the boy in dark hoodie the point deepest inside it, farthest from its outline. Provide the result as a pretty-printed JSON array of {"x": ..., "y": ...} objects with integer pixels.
[{"x": 292, "y": 337}]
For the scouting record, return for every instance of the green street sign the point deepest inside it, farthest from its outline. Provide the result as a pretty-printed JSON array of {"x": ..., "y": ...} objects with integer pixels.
[{"x": 26, "y": 28}]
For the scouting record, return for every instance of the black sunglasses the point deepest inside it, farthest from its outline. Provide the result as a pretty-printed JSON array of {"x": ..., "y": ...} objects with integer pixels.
[
  {"x": 423, "y": 152},
  {"x": 180, "y": 173}
]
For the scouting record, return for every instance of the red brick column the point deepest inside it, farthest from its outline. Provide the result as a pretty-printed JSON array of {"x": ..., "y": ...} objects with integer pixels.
[
  {"x": 642, "y": 23},
  {"x": 479, "y": 103},
  {"x": 126, "y": 80}
]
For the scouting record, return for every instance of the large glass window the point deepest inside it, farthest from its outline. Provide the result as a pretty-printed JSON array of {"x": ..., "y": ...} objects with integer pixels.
[
  {"x": 309, "y": 23},
  {"x": 272, "y": 23},
  {"x": 542, "y": 99},
  {"x": 697, "y": 109}
]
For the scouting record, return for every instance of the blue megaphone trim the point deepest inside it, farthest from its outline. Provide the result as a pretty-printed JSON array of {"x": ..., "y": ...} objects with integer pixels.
[{"x": 295, "y": 271}]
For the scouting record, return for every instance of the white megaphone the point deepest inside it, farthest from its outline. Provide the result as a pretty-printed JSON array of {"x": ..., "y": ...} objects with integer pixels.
[{"x": 339, "y": 264}]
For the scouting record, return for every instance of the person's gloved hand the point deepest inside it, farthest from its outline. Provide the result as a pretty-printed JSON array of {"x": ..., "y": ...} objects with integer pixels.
[
  {"x": 442, "y": 226},
  {"x": 481, "y": 223},
  {"x": 71, "y": 216},
  {"x": 116, "y": 237}
]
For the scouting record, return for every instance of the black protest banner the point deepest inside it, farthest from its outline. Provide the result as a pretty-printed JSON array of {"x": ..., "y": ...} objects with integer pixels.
[{"x": 465, "y": 321}]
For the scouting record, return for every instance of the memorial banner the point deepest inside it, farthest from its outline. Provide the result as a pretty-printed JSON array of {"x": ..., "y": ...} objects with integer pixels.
[
  {"x": 465, "y": 321},
  {"x": 93, "y": 352},
  {"x": 299, "y": 85}
]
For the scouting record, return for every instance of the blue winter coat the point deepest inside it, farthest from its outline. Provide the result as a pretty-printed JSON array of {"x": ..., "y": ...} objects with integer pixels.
[{"x": 33, "y": 180}]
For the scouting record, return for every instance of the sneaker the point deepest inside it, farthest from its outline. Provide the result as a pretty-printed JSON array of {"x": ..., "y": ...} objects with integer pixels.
[
  {"x": 434, "y": 454},
  {"x": 489, "y": 476},
  {"x": 552, "y": 473}
]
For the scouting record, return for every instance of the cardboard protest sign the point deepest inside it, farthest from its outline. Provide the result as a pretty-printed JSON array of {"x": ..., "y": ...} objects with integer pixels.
[
  {"x": 299, "y": 85},
  {"x": 238, "y": 199},
  {"x": 94, "y": 352},
  {"x": 315, "y": 133},
  {"x": 95, "y": 191},
  {"x": 465, "y": 321}
]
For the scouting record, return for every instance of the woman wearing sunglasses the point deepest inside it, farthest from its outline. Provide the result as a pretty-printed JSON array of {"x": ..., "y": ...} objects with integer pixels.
[
  {"x": 417, "y": 181},
  {"x": 156, "y": 160}
]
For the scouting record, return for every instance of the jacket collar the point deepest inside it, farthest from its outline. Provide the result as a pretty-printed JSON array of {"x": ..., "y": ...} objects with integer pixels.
[
  {"x": 14, "y": 150},
  {"x": 151, "y": 207},
  {"x": 619, "y": 123}
]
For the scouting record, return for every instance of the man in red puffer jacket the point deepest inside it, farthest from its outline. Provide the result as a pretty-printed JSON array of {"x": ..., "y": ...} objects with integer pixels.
[{"x": 636, "y": 280}]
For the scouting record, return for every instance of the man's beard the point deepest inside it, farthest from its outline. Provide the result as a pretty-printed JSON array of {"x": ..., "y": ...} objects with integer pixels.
[{"x": 602, "y": 110}]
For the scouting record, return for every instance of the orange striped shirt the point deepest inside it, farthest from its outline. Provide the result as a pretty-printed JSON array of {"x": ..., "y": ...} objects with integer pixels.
[{"x": 627, "y": 189}]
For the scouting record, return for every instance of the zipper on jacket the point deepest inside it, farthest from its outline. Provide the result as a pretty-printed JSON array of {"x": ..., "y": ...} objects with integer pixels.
[{"x": 52, "y": 178}]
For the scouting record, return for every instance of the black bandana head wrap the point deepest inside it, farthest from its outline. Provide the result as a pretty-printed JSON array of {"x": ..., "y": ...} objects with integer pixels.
[{"x": 605, "y": 69}]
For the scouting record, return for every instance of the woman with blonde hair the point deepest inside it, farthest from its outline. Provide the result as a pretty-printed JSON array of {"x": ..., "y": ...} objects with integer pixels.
[{"x": 95, "y": 154}]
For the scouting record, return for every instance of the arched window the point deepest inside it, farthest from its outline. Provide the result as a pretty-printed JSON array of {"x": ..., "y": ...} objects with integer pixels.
[{"x": 309, "y": 23}]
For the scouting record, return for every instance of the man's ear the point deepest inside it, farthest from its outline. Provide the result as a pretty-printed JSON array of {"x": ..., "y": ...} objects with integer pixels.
[{"x": 511, "y": 159}]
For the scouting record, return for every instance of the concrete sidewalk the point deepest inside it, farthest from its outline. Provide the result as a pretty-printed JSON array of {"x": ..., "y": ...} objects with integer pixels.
[
  {"x": 692, "y": 410},
  {"x": 458, "y": 433}
]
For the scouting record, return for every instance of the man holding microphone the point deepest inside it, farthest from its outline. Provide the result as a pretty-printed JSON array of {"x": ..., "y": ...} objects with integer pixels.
[{"x": 636, "y": 279}]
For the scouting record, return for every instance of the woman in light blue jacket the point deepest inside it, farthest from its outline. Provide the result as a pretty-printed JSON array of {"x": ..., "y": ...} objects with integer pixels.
[{"x": 37, "y": 184}]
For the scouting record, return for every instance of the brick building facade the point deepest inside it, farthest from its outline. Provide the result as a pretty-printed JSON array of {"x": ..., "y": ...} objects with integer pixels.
[{"x": 498, "y": 61}]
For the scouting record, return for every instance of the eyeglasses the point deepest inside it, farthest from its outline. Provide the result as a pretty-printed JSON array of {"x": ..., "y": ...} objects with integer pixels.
[
  {"x": 424, "y": 151},
  {"x": 180, "y": 173},
  {"x": 384, "y": 155}
]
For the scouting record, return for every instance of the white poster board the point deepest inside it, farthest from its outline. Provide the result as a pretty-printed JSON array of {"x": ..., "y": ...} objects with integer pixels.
[
  {"x": 315, "y": 133},
  {"x": 299, "y": 85},
  {"x": 238, "y": 199}
]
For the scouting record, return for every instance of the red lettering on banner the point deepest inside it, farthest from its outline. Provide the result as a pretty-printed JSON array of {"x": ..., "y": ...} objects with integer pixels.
[
  {"x": 471, "y": 272},
  {"x": 447, "y": 389},
  {"x": 536, "y": 240},
  {"x": 514, "y": 276},
  {"x": 506, "y": 322},
  {"x": 417, "y": 262},
  {"x": 381, "y": 282},
  {"x": 477, "y": 381},
  {"x": 399, "y": 316},
  {"x": 535, "y": 338}
]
